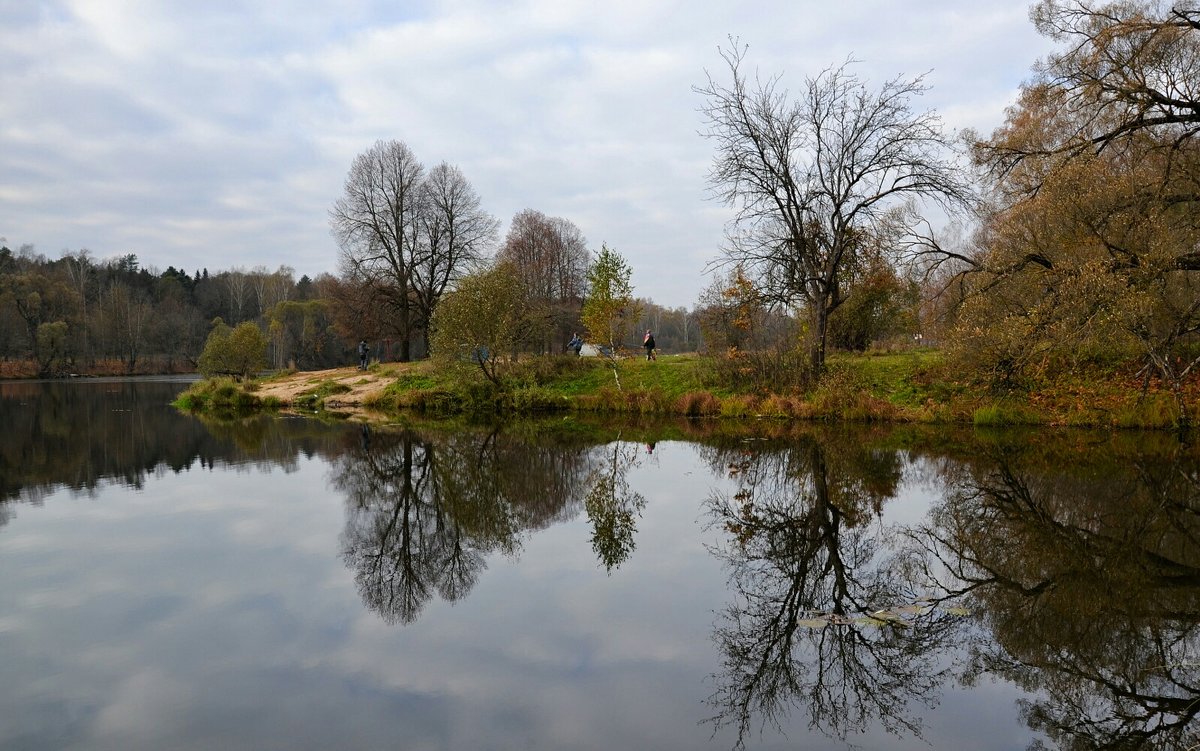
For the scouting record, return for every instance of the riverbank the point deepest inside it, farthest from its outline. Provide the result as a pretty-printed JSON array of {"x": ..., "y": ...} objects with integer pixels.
[
  {"x": 24, "y": 369},
  {"x": 913, "y": 386}
]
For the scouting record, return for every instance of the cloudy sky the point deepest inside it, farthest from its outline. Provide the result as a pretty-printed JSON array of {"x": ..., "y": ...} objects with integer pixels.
[{"x": 217, "y": 133}]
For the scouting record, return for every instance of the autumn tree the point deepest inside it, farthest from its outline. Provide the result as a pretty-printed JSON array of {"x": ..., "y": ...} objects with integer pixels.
[
  {"x": 36, "y": 299},
  {"x": 1089, "y": 244},
  {"x": 732, "y": 313},
  {"x": 1124, "y": 69},
  {"x": 240, "y": 351},
  {"x": 51, "y": 347},
  {"x": 884, "y": 306},
  {"x": 302, "y": 333},
  {"x": 551, "y": 256},
  {"x": 483, "y": 323},
  {"x": 822, "y": 179}
]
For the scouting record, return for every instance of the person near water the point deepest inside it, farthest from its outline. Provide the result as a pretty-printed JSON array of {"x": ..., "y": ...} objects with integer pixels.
[
  {"x": 576, "y": 344},
  {"x": 648, "y": 343},
  {"x": 363, "y": 352}
]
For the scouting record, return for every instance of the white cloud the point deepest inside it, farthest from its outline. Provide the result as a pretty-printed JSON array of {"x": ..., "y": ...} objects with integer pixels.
[{"x": 218, "y": 135}]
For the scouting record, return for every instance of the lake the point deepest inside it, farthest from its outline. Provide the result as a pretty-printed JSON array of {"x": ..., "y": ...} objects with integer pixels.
[{"x": 169, "y": 582}]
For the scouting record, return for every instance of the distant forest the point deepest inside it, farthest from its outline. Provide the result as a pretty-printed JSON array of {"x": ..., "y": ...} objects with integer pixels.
[{"x": 79, "y": 314}]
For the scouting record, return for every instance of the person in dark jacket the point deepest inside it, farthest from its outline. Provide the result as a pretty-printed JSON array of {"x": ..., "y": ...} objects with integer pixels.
[
  {"x": 648, "y": 343},
  {"x": 363, "y": 352}
]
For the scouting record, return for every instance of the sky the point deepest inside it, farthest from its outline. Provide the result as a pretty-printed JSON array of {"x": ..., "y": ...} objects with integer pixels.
[{"x": 218, "y": 134}]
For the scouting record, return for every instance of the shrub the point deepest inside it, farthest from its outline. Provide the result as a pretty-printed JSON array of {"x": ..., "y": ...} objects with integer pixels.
[
  {"x": 739, "y": 406},
  {"x": 698, "y": 404},
  {"x": 780, "y": 406},
  {"x": 233, "y": 352},
  {"x": 769, "y": 371},
  {"x": 843, "y": 394}
]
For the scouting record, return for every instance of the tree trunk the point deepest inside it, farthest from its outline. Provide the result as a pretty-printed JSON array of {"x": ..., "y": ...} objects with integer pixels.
[{"x": 816, "y": 339}]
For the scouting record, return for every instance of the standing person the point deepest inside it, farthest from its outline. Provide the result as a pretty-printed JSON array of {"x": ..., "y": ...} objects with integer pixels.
[
  {"x": 648, "y": 343},
  {"x": 576, "y": 344},
  {"x": 363, "y": 352}
]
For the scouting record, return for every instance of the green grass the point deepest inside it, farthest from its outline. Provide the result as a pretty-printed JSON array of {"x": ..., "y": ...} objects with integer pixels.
[
  {"x": 223, "y": 395},
  {"x": 1001, "y": 414},
  {"x": 917, "y": 386}
]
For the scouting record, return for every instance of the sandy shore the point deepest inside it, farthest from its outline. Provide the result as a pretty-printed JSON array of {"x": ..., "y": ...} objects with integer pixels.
[{"x": 362, "y": 385}]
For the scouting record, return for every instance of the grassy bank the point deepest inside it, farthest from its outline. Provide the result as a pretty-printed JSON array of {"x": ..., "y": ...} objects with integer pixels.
[
  {"x": 225, "y": 395},
  {"x": 914, "y": 386}
]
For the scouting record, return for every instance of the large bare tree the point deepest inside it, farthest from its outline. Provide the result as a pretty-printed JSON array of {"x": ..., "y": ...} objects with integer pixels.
[
  {"x": 406, "y": 235},
  {"x": 455, "y": 235},
  {"x": 376, "y": 223},
  {"x": 821, "y": 180}
]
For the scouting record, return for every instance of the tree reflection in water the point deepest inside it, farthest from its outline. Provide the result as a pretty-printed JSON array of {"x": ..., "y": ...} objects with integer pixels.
[
  {"x": 825, "y": 614},
  {"x": 426, "y": 510},
  {"x": 1080, "y": 569},
  {"x": 1086, "y": 573},
  {"x": 612, "y": 506}
]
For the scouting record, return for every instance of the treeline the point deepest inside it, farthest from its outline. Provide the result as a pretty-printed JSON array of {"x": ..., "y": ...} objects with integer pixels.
[{"x": 79, "y": 314}]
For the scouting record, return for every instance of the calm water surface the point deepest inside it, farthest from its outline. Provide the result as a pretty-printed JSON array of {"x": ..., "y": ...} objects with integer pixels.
[{"x": 281, "y": 583}]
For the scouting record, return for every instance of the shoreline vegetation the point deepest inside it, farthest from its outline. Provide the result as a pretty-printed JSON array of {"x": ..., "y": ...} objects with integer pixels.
[{"x": 916, "y": 386}]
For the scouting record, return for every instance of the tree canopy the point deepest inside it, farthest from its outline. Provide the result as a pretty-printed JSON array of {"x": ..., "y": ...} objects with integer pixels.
[{"x": 822, "y": 181}]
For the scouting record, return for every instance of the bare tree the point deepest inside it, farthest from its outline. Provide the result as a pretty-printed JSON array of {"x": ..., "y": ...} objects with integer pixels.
[
  {"x": 127, "y": 315},
  {"x": 271, "y": 287},
  {"x": 821, "y": 180},
  {"x": 79, "y": 269},
  {"x": 552, "y": 257},
  {"x": 455, "y": 234},
  {"x": 237, "y": 283},
  {"x": 376, "y": 224}
]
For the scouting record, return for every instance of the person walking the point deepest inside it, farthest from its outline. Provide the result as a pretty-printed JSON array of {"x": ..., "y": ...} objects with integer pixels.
[
  {"x": 576, "y": 344},
  {"x": 648, "y": 343},
  {"x": 363, "y": 352}
]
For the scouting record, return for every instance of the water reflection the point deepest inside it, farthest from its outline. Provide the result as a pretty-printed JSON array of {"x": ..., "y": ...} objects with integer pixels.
[
  {"x": 613, "y": 507},
  {"x": 866, "y": 582},
  {"x": 1080, "y": 572},
  {"x": 424, "y": 510},
  {"x": 825, "y": 614},
  {"x": 82, "y": 435},
  {"x": 1087, "y": 571}
]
